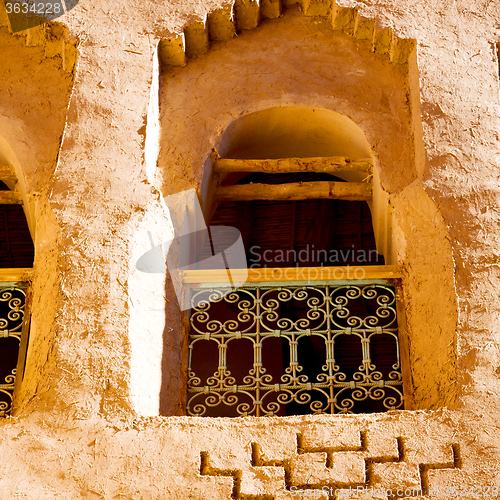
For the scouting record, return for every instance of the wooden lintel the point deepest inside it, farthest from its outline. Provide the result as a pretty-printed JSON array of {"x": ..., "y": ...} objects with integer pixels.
[
  {"x": 351, "y": 191},
  {"x": 327, "y": 165},
  {"x": 10, "y": 198},
  {"x": 290, "y": 274},
  {"x": 7, "y": 173},
  {"x": 15, "y": 275}
]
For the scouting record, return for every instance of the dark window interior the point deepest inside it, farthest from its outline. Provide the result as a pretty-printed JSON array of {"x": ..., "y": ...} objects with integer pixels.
[
  {"x": 12, "y": 301},
  {"x": 300, "y": 233},
  {"x": 16, "y": 251},
  {"x": 16, "y": 248}
]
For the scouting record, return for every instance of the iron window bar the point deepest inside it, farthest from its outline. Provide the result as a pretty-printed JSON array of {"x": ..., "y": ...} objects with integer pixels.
[
  {"x": 254, "y": 313},
  {"x": 14, "y": 326}
]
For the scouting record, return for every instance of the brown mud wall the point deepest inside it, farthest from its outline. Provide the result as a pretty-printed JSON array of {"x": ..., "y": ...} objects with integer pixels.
[{"x": 76, "y": 137}]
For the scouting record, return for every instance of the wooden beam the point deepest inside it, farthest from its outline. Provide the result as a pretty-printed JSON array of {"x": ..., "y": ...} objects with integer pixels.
[
  {"x": 247, "y": 14},
  {"x": 327, "y": 165},
  {"x": 196, "y": 39},
  {"x": 290, "y": 274},
  {"x": 10, "y": 198},
  {"x": 15, "y": 275},
  {"x": 221, "y": 24},
  {"x": 352, "y": 191},
  {"x": 7, "y": 173}
]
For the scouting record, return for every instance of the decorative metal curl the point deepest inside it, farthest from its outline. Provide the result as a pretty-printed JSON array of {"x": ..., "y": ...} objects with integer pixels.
[
  {"x": 325, "y": 312},
  {"x": 12, "y": 303}
]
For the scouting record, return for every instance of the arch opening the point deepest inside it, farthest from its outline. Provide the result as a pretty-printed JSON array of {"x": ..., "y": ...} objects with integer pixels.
[
  {"x": 304, "y": 132},
  {"x": 293, "y": 131},
  {"x": 289, "y": 222},
  {"x": 241, "y": 119}
]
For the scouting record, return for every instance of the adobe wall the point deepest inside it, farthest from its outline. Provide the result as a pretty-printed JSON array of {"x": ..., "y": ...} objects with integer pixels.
[{"x": 76, "y": 433}]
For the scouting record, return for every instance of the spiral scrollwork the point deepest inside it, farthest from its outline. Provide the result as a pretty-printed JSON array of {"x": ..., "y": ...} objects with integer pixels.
[
  {"x": 12, "y": 301},
  {"x": 318, "y": 407},
  {"x": 244, "y": 409},
  {"x": 12, "y": 304},
  {"x": 320, "y": 314}
]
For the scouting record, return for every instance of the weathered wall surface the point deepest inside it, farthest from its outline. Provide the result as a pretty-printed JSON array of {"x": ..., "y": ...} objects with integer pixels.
[
  {"x": 226, "y": 458},
  {"x": 76, "y": 434}
]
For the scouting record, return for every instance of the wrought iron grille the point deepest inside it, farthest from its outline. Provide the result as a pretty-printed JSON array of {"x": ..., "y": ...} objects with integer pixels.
[
  {"x": 287, "y": 350},
  {"x": 12, "y": 303}
]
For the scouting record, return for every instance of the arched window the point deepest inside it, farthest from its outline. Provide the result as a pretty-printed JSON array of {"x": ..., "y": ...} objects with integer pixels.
[
  {"x": 351, "y": 93},
  {"x": 16, "y": 259},
  {"x": 314, "y": 329}
]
